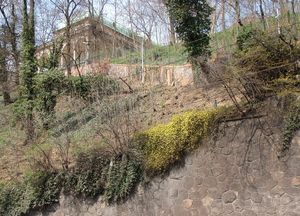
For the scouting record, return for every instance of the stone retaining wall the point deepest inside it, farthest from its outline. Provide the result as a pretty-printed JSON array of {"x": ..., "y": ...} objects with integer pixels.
[
  {"x": 238, "y": 175},
  {"x": 181, "y": 75},
  {"x": 154, "y": 75}
]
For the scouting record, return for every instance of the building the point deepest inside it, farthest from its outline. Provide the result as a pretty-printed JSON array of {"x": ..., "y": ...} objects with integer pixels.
[{"x": 93, "y": 40}]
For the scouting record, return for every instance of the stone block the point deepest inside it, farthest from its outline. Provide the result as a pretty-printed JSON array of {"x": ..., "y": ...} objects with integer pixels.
[
  {"x": 286, "y": 199},
  {"x": 187, "y": 203},
  {"x": 248, "y": 213},
  {"x": 229, "y": 197},
  {"x": 188, "y": 182},
  {"x": 296, "y": 181},
  {"x": 256, "y": 197},
  {"x": 173, "y": 193}
]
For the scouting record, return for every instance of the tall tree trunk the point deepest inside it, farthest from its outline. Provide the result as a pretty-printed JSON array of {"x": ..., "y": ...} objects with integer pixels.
[
  {"x": 214, "y": 18},
  {"x": 91, "y": 8},
  {"x": 282, "y": 7},
  {"x": 13, "y": 42},
  {"x": 238, "y": 12},
  {"x": 172, "y": 32},
  {"x": 28, "y": 67},
  {"x": 3, "y": 74},
  {"x": 262, "y": 14},
  {"x": 68, "y": 48},
  {"x": 32, "y": 22},
  {"x": 293, "y": 7},
  {"x": 223, "y": 21}
]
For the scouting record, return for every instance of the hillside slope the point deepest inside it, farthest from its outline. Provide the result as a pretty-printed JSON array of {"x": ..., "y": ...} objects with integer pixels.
[{"x": 238, "y": 173}]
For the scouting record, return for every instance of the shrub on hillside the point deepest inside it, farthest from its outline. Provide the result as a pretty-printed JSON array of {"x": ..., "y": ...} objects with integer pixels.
[
  {"x": 49, "y": 85},
  {"x": 165, "y": 144},
  {"x": 123, "y": 175},
  {"x": 38, "y": 190},
  {"x": 15, "y": 199},
  {"x": 88, "y": 177},
  {"x": 96, "y": 173},
  {"x": 91, "y": 87},
  {"x": 262, "y": 57},
  {"x": 291, "y": 126}
]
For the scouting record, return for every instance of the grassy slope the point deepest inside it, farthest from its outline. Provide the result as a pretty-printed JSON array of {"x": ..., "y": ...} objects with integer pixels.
[
  {"x": 220, "y": 41},
  {"x": 155, "y": 55},
  {"x": 80, "y": 124}
]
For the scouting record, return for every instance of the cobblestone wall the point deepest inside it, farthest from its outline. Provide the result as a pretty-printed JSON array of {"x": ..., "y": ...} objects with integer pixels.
[{"x": 238, "y": 175}]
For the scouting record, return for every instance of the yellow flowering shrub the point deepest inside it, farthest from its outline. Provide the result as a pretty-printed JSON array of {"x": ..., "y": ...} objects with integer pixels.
[{"x": 166, "y": 143}]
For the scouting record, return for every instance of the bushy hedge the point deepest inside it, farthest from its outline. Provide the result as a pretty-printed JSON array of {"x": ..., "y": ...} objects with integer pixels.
[
  {"x": 88, "y": 177},
  {"x": 95, "y": 173},
  {"x": 38, "y": 190},
  {"x": 165, "y": 144}
]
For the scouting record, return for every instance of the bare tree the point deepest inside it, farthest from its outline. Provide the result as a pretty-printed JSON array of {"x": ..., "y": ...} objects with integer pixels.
[
  {"x": 96, "y": 7},
  {"x": 237, "y": 9},
  {"x": 48, "y": 19},
  {"x": 9, "y": 14},
  {"x": 70, "y": 10},
  {"x": 3, "y": 68},
  {"x": 143, "y": 17},
  {"x": 223, "y": 22},
  {"x": 262, "y": 13}
]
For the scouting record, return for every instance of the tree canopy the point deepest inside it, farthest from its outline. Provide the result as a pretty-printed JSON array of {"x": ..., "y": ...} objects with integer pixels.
[{"x": 192, "y": 24}]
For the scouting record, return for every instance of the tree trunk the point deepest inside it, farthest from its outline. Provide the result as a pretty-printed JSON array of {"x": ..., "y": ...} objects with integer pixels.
[
  {"x": 3, "y": 72},
  {"x": 172, "y": 27},
  {"x": 3, "y": 80},
  {"x": 223, "y": 15},
  {"x": 13, "y": 42},
  {"x": 282, "y": 7},
  {"x": 238, "y": 12},
  {"x": 28, "y": 68},
  {"x": 68, "y": 47},
  {"x": 214, "y": 18},
  {"x": 172, "y": 32},
  {"x": 262, "y": 14}
]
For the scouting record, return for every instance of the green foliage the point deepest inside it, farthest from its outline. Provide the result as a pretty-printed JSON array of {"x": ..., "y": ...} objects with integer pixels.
[
  {"x": 22, "y": 108},
  {"x": 28, "y": 69},
  {"x": 291, "y": 126},
  {"x": 94, "y": 173},
  {"x": 155, "y": 55},
  {"x": 47, "y": 87},
  {"x": 88, "y": 176},
  {"x": 14, "y": 199},
  {"x": 244, "y": 37},
  {"x": 45, "y": 187},
  {"x": 123, "y": 175},
  {"x": 98, "y": 173},
  {"x": 113, "y": 175},
  {"x": 192, "y": 23},
  {"x": 28, "y": 66},
  {"x": 36, "y": 191},
  {"x": 53, "y": 83},
  {"x": 90, "y": 87},
  {"x": 163, "y": 145}
]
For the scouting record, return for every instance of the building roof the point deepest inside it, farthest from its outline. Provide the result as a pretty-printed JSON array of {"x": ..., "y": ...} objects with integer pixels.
[{"x": 106, "y": 22}]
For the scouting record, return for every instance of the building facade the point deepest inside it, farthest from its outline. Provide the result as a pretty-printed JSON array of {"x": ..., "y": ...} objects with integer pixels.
[{"x": 92, "y": 40}]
